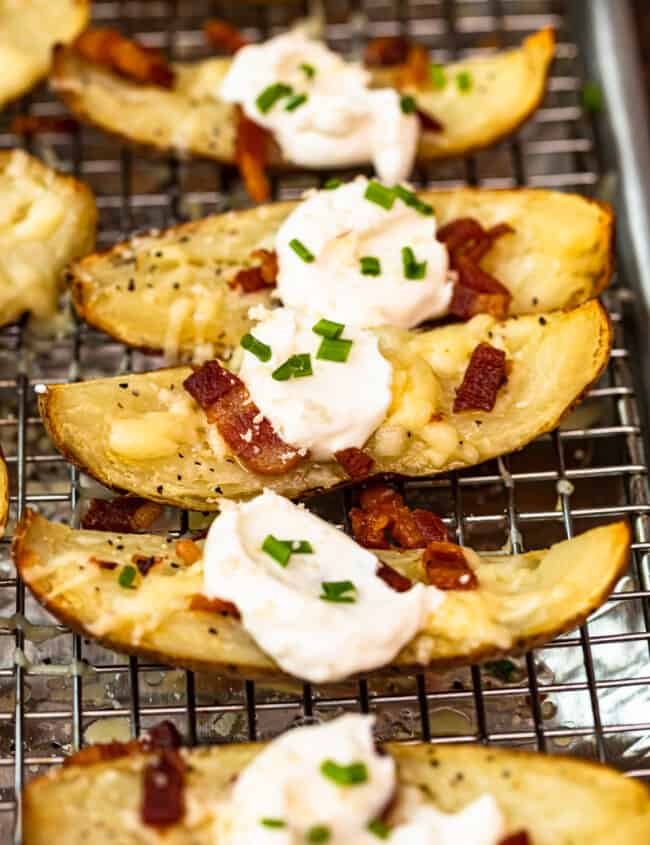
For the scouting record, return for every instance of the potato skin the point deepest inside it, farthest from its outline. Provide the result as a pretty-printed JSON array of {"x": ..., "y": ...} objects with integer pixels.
[
  {"x": 4, "y": 493},
  {"x": 557, "y": 799}
]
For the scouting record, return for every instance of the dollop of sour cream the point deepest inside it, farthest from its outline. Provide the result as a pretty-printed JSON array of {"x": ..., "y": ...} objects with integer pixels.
[
  {"x": 341, "y": 228},
  {"x": 282, "y": 606},
  {"x": 285, "y": 795},
  {"x": 338, "y": 120},
  {"x": 339, "y": 405}
]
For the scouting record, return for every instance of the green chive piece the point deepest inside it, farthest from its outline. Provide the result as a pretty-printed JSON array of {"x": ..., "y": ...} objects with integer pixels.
[
  {"x": 300, "y": 547},
  {"x": 350, "y": 775},
  {"x": 301, "y": 250},
  {"x": 277, "y": 549},
  {"x": 591, "y": 97},
  {"x": 412, "y": 269},
  {"x": 407, "y": 104},
  {"x": 379, "y": 828},
  {"x": 328, "y": 328},
  {"x": 335, "y": 591},
  {"x": 308, "y": 70},
  {"x": 319, "y": 833},
  {"x": 256, "y": 347},
  {"x": 337, "y": 349},
  {"x": 294, "y": 102},
  {"x": 370, "y": 266},
  {"x": 502, "y": 669},
  {"x": 332, "y": 184},
  {"x": 380, "y": 194},
  {"x": 438, "y": 76},
  {"x": 274, "y": 823},
  {"x": 127, "y": 576},
  {"x": 464, "y": 81},
  {"x": 269, "y": 96},
  {"x": 297, "y": 366},
  {"x": 410, "y": 199}
]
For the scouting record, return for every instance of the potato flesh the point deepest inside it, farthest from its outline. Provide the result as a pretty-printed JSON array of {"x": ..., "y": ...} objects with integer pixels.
[{"x": 171, "y": 291}]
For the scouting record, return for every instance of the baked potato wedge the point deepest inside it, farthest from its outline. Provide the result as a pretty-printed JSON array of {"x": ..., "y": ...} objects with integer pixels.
[
  {"x": 557, "y": 800},
  {"x": 189, "y": 119},
  {"x": 4, "y": 494},
  {"x": 29, "y": 29},
  {"x": 521, "y": 602},
  {"x": 46, "y": 220},
  {"x": 170, "y": 290},
  {"x": 143, "y": 434}
]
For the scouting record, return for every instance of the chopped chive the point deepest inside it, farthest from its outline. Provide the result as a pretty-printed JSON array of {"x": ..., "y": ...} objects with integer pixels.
[
  {"x": 370, "y": 266},
  {"x": 350, "y": 775},
  {"x": 438, "y": 76},
  {"x": 274, "y": 823},
  {"x": 256, "y": 347},
  {"x": 464, "y": 81},
  {"x": 269, "y": 96},
  {"x": 295, "y": 101},
  {"x": 412, "y": 269},
  {"x": 407, "y": 104},
  {"x": 297, "y": 366},
  {"x": 335, "y": 591},
  {"x": 334, "y": 349},
  {"x": 591, "y": 97},
  {"x": 301, "y": 250},
  {"x": 308, "y": 70},
  {"x": 410, "y": 199},
  {"x": 319, "y": 833},
  {"x": 332, "y": 184},
  {"x": 328, "y": 328},
  {"x": 277, "y": 549},
  {"x": 502, "y": 669},
  {"x": 300, "y": 547},
  {"x": 379, "y": 828},
  {"x": 380, "y": 194},
  {"x": 127, "y": 576}
]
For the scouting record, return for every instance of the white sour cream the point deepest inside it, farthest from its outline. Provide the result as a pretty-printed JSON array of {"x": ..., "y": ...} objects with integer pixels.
[
  {"x": 340, "y": 227},
  {"x": 281, "y": 606},
  {"x": 341, "y": 124},
  {"x": 337, "y": 407},
  {"x": 284, "y": 785}
]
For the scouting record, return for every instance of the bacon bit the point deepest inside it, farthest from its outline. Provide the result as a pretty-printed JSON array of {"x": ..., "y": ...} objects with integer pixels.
[
  {"x": 395, "y": 580},
  {"x": 251, "y": 154},
  {"x": 145, "y": 563},
  {"x": 428, "y": 122},
  {"x": 123, "y": 515},
  {"x": 209, "y": 383},
  {"x": 432, "y": 529},
  {"x": 446, "y": 567},
  {"x": 220, "y": 606},
  {"x": 387, "y": 51},
  {"x": 519, "y": 838},
  {"x": 35, "y": 124},
  {"x": 224, "y": 36},
  {"x": 383, "y": 517},
  {"x": 162, "y": 736},
  {"x": 162, "y": 790},
  {"x": 108, "y": 47},
  {"x": 415, "y": 70},
  {"x": 355, "y": 462},
  {"x": 104, "y": 564},
  {"x": 102, "y": 753},
  {"x": 188, "y": 551},
  {"x": 257, "y": 278},
  {"x": 485, "y": 374}
]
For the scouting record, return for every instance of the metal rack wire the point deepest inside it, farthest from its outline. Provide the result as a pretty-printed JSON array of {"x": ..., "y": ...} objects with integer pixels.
[{"x": 587, "y": 693}]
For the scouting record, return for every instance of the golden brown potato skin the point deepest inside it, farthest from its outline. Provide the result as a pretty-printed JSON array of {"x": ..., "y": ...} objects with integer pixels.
[
  {"x": 507, "y": 88},
  {"x": 4, "y": 493},
  {"x": 522, "y": 601},
  {"x": 558, "y": 800},
  {"x": 153, "y": 291},
  {"x": 556, "y": 357}
]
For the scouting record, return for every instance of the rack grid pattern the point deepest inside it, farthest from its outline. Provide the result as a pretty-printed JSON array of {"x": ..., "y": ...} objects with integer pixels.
[{"x": 587, "y": 693}]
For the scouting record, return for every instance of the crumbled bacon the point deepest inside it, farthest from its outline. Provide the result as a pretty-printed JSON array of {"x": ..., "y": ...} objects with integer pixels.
[
  {"x": 220, "y": 606},
  {"x": 209, "y": 383},
  {"x": 35, "y": 124},
  {"x": 108, "y": 47},
  {"x": 252, "y": 145},
  {"x": 144, "y": 563},
  {"x": 224, "y": 36},
  {"x": 383, "y": 517},
  {"x": 162, "y": 790},
  {"x": 355, "y": 462},
  {"x": 188, "y": 551},
  {"x": 415, "y": 71},
  {"x": 485, "y": 374},
  {"x": 395, "y": 580},
  {"x": 519, "y": 838},
  {"x": 386, "y": 51},
  {"x": 123, "y": 515},
  {"x": 429, "y": 123},
  {"x": 476, "y": 291},
  {"x": 263, "y": 275},
  {"x": 164, "y": 735},
  {"x": 446, "y": 567},
  {"x": 104, "y": 564}
]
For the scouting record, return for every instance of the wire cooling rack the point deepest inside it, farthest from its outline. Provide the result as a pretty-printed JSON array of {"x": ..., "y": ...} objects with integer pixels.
[{"x": 588, "y": 693}]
